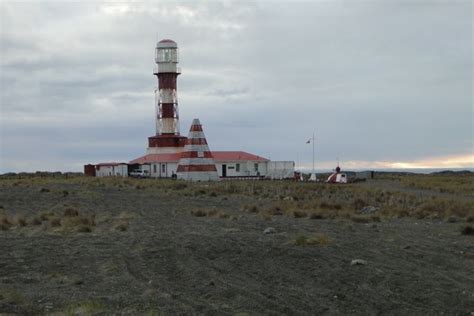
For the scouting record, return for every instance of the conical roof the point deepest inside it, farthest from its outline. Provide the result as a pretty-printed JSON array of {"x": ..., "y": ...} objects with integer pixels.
[{"x": 196, "y": 162}]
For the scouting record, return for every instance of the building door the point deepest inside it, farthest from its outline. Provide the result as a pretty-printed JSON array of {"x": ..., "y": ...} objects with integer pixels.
[
  {"x": 224, "y": 170},
  {"x": 163, "y": 170}
]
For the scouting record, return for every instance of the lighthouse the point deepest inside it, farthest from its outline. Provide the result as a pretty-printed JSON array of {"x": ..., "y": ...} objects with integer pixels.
[
  {"x": 167, "y": 138},
  {"x": 171, "y": 155}
]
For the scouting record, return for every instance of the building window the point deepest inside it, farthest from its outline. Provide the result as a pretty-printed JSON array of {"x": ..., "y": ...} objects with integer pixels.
[
  {"x": 154, "y": 168},
  {"x": 256, "y": 167},
  {"x": 237, "y": 167},
  {"x": 163, "y": 168}
]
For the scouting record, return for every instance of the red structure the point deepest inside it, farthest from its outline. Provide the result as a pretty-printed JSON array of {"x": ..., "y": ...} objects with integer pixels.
[
  {"x": 89, "y": 170},
  {"x": 166, "y": 99},
  {"x": 196, "y": 162}
]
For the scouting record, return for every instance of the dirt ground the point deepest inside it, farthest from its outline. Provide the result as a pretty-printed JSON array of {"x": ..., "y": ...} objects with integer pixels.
[{"x": 148, "y": 250}]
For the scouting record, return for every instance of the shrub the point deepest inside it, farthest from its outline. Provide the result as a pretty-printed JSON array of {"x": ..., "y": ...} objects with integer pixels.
[
  {"x": 21, "y": 221},
  {"x": 360, "y": 219},
  {"x": 70, "y": 212},
  {"x": 470, "y": 219},
  {"x": 251, "y": 208},
  {"x": 198, "y": 213},
  {"x": 275, "y": 210},
  {"x": 55, "y": 222},
  {"x": 317, "y": 216},
  {"x": 84, "y": 229},
  {"x": 223, "y": 215},
  {"x": 467, "y": 230},
  {"x": 77, "y": 223},
  {"x": 359, "y": 203},
  {"x": 121, "y": 227},
  {"x": 375, "y": 218},
  {"x": 46, "y": 215},
  {"x": 179, "y": 186},
  {"x": 5, "y": 221},
  {"x": 44, "y": 190},
  {"x": 36, "y": 221},
  {"x": 299, "y": 214}
]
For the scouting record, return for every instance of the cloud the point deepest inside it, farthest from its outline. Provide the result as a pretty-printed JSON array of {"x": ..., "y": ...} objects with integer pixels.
[{"x": 378, "y": 82}]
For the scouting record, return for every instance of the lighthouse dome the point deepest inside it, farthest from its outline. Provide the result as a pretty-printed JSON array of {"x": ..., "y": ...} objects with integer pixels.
[{"x": 166, "y": 43}]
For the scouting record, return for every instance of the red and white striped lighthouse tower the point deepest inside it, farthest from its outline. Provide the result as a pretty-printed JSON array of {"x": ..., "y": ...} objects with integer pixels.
[
  {"x": 196, "y": 162},
  {"x": 167, "y": 138}
]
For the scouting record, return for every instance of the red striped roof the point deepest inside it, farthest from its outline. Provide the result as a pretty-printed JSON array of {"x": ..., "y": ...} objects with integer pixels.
[
  {"x": 106, "y": 164},
  {"x": 236, "y": 155},
  {"x": 219, "y": 156},
  {"x": 156, "y": 158}
]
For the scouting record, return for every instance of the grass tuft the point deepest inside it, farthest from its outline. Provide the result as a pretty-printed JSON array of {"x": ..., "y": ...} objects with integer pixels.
[
  {"x": 21, "y": 221},
  {"x": 198, "y": 213},
  {"x": 319, "y": 239},
  {"x": 70, "y": 212},
  {"x": 299, "y": 214}
]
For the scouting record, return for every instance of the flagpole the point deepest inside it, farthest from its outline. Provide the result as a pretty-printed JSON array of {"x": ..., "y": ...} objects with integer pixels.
[{"x": 313, "y": 161}]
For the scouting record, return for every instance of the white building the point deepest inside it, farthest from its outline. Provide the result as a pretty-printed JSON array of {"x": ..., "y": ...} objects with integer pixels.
[
  {"x": 118, "y": 169},
  {"x": 230, "y": 164}
]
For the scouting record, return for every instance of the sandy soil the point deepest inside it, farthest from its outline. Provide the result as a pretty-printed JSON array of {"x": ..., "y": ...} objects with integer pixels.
[{"x": 172, "y": 262}]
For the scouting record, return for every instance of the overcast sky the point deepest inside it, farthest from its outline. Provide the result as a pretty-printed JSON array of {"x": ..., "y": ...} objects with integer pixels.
[{"x": 381, "y": 83}]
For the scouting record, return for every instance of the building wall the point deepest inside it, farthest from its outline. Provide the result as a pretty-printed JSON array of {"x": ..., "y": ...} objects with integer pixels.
[
  {"x": 242, "y": 168},
  {"x": 163, "y": 169},
  {"x": 89, "y": 170},
  {"x": 109, "y": 171},
  {"x": 280, "y": 169}
]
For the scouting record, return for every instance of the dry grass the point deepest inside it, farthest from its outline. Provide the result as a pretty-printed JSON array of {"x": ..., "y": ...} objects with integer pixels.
[
  {"x": 210, "y": 213},
  {"x": 55, "y": 222},
  {"x": 251, "y": 208},
  {"x": 36, "y": 221},
  {"x": 122, "y": 226},
  {"x": 319, "y": 239},
  {"x": 365, "y": 218},
  {"x": 70, "y": 212},
  {"x": 198, "y": 213},
  {"x": 291, "y": 199},
  {"x": 20, "y": 221},
  {"x": 444, "y": 183},
  {"x": 317, "y": 215},
  {"x": 299, "y": 214}
]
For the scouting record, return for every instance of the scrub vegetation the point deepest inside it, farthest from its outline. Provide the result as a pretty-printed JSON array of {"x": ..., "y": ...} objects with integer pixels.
[{"x": 74, "y": 244}]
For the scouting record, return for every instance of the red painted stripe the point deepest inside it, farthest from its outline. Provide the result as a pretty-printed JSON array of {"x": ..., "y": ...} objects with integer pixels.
[
  {"x": 194, "y": 154},
  {"x": 167, "y": 81},
  {"x": 194, "y": 168},
  {"x": 166, "y": 141},
  {"x": 195, "y": 128},
  {"x": 167, "y": 110},
  {"x": 196, "y": 141}
]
